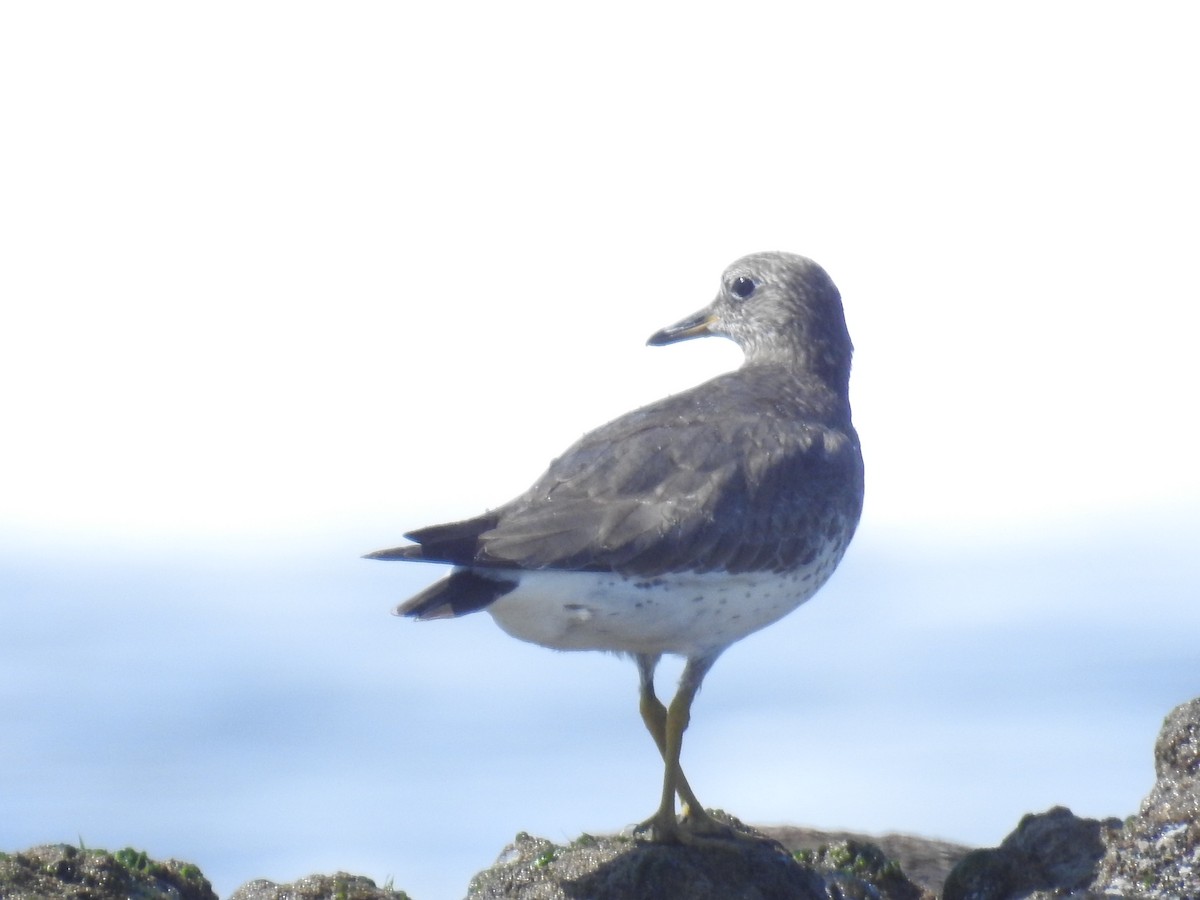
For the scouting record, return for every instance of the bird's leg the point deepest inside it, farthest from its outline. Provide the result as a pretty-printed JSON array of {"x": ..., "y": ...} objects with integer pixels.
[
  {"x": 663, "y": 826},
  {"x": 654, "y": 714}
]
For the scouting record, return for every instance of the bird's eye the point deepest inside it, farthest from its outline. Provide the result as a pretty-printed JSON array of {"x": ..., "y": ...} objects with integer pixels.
[{"x": 743, "y": 287}]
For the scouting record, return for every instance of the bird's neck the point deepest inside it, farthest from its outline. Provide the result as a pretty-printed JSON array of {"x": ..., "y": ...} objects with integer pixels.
[{"x": 818, "y": 394}]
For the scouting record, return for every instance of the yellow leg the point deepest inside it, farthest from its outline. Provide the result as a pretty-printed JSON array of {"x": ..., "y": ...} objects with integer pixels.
[
  {"x": 667, "y": 725},
  {"x": 654, "y": 714}
]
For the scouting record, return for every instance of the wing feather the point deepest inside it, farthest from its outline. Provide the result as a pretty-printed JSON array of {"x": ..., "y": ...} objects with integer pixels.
[
  {"x": 648, "y": 495},
  {"x": 710, "y": 479}
]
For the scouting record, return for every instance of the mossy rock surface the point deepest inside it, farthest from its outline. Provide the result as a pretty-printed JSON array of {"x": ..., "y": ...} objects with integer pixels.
[
  {"x": 755, "y": 868},
  {"x": 339, "y": 886},
  {"x": 63, "y": 871}
]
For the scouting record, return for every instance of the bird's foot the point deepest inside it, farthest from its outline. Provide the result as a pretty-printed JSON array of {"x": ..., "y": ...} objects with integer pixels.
[
  {"x": 660, "y": 828},
  {"x": 695, "y": 828},
  {"x": 700, "y": 825}
]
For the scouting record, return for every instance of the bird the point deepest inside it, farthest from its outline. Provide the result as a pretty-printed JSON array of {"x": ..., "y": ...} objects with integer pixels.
[{"x": 685, "y": 525}]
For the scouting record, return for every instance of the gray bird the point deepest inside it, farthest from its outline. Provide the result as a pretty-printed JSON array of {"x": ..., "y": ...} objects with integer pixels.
[{"x": 683, "y": 526}]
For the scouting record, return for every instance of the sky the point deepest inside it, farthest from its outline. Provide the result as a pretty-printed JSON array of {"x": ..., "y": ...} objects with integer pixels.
[{"x": 284, "y": 281}]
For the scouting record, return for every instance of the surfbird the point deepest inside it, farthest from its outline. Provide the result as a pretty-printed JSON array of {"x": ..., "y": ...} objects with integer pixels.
[{"x": 683, "y": 526}]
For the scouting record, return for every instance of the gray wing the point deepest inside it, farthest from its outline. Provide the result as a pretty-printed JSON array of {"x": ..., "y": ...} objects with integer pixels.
[
  {"x": 698, "y": 491},
  {"x": 696, "y": 482}
]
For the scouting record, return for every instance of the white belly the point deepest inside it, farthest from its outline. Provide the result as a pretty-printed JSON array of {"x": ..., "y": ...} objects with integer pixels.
[{"x": 686, "y": 614}]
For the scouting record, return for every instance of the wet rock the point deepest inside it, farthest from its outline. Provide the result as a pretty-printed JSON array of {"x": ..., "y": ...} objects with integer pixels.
[
  {"x": 854, "y": 869},
  {"x": 925, "y": 862},
  {"x": 318, "y": 887},
  {"x": 1051, "y": 856},
  {"x": 619, "y": 868},
  {"x": 1052, "y": 851},
  {"x": 60, "y": 870},
  {"x": 1157, "y": 854}
]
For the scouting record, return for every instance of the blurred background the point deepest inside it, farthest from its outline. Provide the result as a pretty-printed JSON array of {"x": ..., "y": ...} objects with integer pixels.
[{"x": 281, "y": 282}]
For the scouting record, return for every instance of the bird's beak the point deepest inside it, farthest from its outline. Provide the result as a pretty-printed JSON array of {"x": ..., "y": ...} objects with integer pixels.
[{"x": 697, "y": 325}]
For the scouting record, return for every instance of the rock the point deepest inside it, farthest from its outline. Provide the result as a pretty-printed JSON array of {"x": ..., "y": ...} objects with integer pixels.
[
  {"x": 1053, "y": 851},
  {"x": 926, "y": 862},
  {"x": 60, "y": 870},
  {"x": 318, "y": 887},
  {"x": 1051, "y": 856},
  {"x": 859, "y": 869},
  {"x": 1154, "y": 856},
  {"x": 1157, "y": 854},
  {"x": 620, "y": 868}
]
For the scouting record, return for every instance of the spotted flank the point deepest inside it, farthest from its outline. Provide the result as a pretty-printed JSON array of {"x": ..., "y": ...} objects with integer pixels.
[{"x": 687, "y": 614}]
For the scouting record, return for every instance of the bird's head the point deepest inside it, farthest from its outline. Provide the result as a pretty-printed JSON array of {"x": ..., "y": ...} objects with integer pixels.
[{"x": 780, "y": 308}]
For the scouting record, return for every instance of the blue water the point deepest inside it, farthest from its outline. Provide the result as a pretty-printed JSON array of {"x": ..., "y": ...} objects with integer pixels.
[{"x": 253, "y": 708}]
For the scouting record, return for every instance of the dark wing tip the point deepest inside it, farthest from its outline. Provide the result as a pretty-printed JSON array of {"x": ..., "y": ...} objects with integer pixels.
[
  {"x": 455, "y": 543},
  {"x": 412, "y": 551}
]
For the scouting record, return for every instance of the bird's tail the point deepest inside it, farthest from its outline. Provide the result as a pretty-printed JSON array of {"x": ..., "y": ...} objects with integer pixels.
[{"x": 459, "y": 593}]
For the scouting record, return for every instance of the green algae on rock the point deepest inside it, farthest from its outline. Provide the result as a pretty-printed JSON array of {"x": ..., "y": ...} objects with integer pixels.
[{"x": 55, "y": 871}]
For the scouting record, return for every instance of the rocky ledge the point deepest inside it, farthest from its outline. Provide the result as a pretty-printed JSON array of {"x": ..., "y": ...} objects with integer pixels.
[{"x": 1153, "y": 855}]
